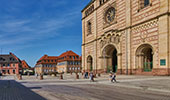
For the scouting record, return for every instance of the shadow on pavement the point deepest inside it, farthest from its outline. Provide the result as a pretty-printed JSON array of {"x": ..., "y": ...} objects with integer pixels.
[{"x": 12, "y": 90}]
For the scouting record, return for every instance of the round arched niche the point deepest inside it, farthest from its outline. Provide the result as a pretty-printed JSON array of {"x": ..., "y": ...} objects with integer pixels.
[
  {"x": 144, "y": 57},
  {"x": 90, "y": 63},
  {"x": 109, "y": 58}
]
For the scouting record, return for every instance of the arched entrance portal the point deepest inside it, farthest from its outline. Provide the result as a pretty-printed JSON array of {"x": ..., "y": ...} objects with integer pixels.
[
  {"x": 114, "y": 61},
  {"x": 110, "y": 58},
  {"x": 90, "y": 63},
  {"x": 145, "y": 57}
]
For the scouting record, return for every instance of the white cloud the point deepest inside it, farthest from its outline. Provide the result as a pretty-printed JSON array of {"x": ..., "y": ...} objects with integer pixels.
[{"x": 18, "y": 31}]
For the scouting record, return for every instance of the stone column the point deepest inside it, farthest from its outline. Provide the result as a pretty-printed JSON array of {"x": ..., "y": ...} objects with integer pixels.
[
  {"x": 119, "y": 64},
  {"x": 83, "y": 46},
  {"x": 164, "y": 36},
  {"x": 128, "y": 37},
  {"x": 95, "y": 37}
]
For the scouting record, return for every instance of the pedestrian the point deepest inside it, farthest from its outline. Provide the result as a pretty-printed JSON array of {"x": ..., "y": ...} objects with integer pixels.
[
  {"x": 110, "y": 75},
  {"x": 86, "y": 75},
  {"x": 113, "y": 77},
  {"x": 36, "y": 75},
  {"x": 91, "y": 77}
]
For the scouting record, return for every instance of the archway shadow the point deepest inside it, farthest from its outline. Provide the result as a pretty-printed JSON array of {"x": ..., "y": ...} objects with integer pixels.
[{"x": 16, "y": 91}]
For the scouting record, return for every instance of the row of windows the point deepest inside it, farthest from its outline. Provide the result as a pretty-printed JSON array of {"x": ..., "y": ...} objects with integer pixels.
[
  {"x": 49, "y": 65},
  {"x": 74, "y": 68},
  {"x": 71, "y": 57},
  {"x": 73, "y": 63},
  {"x": 143, "y": 3},
  {"x": 7, "y": 71},
  {"x": 50, "y": 60},
  {"x": 7, "y": 65},
  {"x": 11, "y": 59},
  {"x": 46, "y": 70},
  {"x": 102, "y": 1},
  {"x": 62, "y": 63}
]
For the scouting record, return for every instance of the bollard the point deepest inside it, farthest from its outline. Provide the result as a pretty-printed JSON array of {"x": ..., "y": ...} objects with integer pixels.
[
  {"x": 41, "y": 77},
  {"x": 20, "y": 77},
  {"x": 94, "y": 75},
  {"x": 61, "y": 76},
  {"x": 77, "y": 76}
]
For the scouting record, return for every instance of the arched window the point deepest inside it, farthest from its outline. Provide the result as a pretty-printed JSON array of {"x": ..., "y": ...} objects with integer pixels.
[
  {"x": 144, "y": 3},
  {"x": 89, "y": 25}
]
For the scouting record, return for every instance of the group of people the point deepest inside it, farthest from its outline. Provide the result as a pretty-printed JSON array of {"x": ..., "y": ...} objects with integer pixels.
[
  {"x": 86, "y": 76},
  {"x": 91, "y": 76}
]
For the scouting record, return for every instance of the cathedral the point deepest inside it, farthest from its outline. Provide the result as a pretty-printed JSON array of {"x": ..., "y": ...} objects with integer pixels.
[{"x": 130, "y": 37}]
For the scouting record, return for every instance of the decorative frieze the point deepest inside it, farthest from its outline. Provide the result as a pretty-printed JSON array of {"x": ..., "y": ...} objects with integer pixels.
[{"x": 110, "y": 37}]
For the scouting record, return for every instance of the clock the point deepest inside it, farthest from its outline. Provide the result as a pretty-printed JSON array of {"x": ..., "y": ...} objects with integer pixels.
[{"x": 110, "y": 14}]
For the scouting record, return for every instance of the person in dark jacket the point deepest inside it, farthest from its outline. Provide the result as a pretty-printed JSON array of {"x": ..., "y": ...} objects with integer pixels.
[{"x": 113, "y": 77}]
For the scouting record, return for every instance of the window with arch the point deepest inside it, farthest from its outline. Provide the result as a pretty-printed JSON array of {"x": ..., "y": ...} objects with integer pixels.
[
  {"x": 144, "y": 3},
  {"x": 102, "y": 1},
  {"x": 89, "y": 27}
]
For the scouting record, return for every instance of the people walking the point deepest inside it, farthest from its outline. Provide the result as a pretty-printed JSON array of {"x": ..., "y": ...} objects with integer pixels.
[
  {"x": 36, "y": 75},
  {"x": 86, "y": 75},
  {"x": 110, "y": 75},
  {"x": 113, "y": 77},
  {"x": 91, "y": 77}
]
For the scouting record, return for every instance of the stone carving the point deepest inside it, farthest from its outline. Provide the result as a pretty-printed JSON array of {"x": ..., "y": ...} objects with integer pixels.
[{"x": 111, "y": 39}]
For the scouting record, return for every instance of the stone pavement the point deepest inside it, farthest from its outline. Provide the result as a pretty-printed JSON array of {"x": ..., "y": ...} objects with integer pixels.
[
  {"x": 12, "y": 90},
  {"x": 127, "y": 88},
  {"x": 153, "y": 83},
  {"x": 52, "y": 88}
]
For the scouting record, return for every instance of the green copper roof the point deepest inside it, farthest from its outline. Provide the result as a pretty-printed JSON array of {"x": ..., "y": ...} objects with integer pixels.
[{"x": 88, "y": 5}]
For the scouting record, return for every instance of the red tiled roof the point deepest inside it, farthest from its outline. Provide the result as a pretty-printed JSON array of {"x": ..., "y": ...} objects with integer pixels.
[
  {"x": 66, "y": 56},
  {"x": 68, "y": 53},
  {"x": 46, "y": 57},
  {"x": 24, "y": 64}
]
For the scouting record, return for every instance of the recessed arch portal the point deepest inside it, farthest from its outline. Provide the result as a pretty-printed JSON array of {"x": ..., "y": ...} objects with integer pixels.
[
  {"x": 90, "y": 63},
  {"x": 144, "y": 55},
  {"x": 110, "y": 61}
]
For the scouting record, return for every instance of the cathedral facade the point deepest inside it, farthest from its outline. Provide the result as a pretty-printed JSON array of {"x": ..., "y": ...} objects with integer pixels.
[{"x": 126, "y": 37}]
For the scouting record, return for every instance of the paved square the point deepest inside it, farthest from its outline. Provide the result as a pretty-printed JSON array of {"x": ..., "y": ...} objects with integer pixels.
[{"x": 52, "y": 88}]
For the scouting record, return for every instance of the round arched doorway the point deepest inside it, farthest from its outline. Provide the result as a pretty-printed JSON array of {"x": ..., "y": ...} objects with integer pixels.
[
  {"x": 145, "y": 57},
  {"x": 110, "y": 58},
  {"x": 90, "y": 63}
]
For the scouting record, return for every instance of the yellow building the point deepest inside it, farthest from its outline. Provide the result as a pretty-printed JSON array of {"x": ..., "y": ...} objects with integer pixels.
[
  {"x": 126, "y": 36},
  {"x": 69, "y": 62}
]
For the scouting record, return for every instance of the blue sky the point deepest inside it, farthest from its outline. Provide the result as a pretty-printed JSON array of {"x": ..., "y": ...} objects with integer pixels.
[{"x": 32, "y": 28}]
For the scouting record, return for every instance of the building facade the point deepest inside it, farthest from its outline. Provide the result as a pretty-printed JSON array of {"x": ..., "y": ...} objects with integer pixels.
[
  {"x": 69, "y": 62},
  {"x": 46, "y": 64},
  {"x": 126, "y": 37},
  {"x": 26, "y": 69},
  {"x": 10, "y": 64}
]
